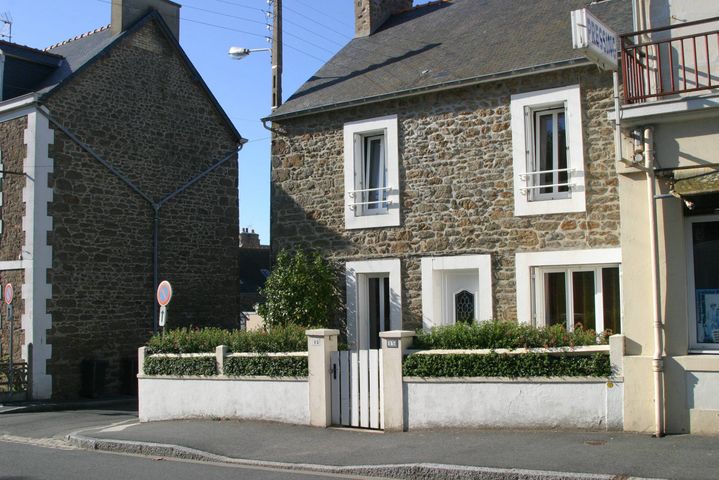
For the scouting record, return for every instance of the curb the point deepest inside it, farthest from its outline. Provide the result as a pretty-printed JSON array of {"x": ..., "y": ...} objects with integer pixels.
[{"x": 410, "y": 470}]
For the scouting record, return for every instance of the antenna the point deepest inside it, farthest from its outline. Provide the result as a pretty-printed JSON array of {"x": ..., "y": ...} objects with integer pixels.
[{"x": 6, "y": 30}]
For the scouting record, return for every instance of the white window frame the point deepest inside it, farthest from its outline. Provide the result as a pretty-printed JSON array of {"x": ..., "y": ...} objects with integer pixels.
[
  {"x": 523, "y": 108},
  {"x": 433, "y": 289},
  {"x": 538, "y": 293},
  {"x": 694, "y": 345},
  {"x": 355, "y": 135},
  {"x": 526, "y": 262},
  {"x": 356, "y": 276}
]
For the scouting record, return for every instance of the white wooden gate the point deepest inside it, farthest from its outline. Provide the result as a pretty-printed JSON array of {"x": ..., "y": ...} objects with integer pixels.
[{"x": 357, "y": 399}]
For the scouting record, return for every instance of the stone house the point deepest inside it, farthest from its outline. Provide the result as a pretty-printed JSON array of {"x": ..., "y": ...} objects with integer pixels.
[
  {"x": 254, "y": 263},
  {"x": 119, "y": 170},
  {"x": 669, "y": 188},
  {"x": 457, "y": 160}
]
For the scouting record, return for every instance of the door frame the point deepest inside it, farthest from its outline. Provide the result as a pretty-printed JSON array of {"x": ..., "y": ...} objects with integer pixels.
[{"x": 356, "y": 276}]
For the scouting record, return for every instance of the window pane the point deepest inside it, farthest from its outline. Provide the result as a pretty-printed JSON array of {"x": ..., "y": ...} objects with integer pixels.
[
  {"x": 385, "y": 312},
  {"x": 545, "y": 151},
  {"x": 583, "y": 297},
  {"x": 373, "y": 287},
  {"x": 555, "y": 298},
  {"x": 464, "y": 307},
  {"x": 610, "y": 296},
  {"x": 562, "y": 152},
  {"x": 705, "y": 242},
  {"x": 374, "y": 171}
]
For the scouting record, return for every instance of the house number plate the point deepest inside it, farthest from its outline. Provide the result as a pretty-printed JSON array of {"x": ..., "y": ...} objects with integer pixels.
[
  {"x": 392, "y": 343},
  {"x": 315, "y": 342}
]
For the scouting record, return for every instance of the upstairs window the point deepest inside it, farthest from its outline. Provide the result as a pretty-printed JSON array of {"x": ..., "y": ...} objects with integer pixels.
[
  {"x": 372, "y": 179},
  {"x": 549, "y": 173},
  {"x": 548, "y": 155},
  {"x": 371, "y": 173}
]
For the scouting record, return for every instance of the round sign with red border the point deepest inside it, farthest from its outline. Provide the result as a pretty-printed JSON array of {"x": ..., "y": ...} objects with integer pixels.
[
  {"x": 164, "y": 293},
  {"x": 8, "y": 293}
]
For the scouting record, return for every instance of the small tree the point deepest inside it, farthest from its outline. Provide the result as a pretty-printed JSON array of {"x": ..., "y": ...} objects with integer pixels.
[{"x": 302, "y": 290}]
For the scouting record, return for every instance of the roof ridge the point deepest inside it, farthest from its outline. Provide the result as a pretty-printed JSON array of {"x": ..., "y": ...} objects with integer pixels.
[
  {"x": 27, "y": 47},
  {"x": 78, "y": 37}
]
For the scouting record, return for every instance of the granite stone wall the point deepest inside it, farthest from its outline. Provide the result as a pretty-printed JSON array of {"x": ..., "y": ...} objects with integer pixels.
[
  {"x": 456, "y": 184},
  {"x": 143, "y": 111},
  {"x": 14, "y": 151}
]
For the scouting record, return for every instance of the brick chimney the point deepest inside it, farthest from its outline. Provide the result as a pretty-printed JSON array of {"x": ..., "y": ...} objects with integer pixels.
[
  {"x": 249, "y": 239},
  {"x": 371, "y": 14},
  {"x": 126, "y": 12}
]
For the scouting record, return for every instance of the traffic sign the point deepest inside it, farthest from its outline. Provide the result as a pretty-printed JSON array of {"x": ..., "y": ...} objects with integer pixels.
[
  {"x": 8, "y": 293},
  {"x": 164, "y": 293}
]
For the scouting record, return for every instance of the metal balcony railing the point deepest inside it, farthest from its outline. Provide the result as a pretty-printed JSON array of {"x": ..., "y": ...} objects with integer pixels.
[
  {"x": 672, "y": 60},
  {"x": 364, "y": 194},
  {"x": 533, "y": 183}
]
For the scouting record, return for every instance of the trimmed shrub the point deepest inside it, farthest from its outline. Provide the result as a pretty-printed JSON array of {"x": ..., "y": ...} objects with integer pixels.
[
  {"x": 502, "y": 334},
  {"x": 506, "y": 365},
  {"x": 187, "y": 340},
  {"x": 180, "y": 367},
  {"x": 302, "y": 289},
  {"x": 266, "y": 366}
]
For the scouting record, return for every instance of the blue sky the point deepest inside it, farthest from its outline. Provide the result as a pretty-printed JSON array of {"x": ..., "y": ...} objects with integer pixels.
[{"x": 314, "y": 30}]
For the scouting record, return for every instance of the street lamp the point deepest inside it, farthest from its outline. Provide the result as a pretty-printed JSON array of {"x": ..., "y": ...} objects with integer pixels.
[{"x": 238, "y": 53}]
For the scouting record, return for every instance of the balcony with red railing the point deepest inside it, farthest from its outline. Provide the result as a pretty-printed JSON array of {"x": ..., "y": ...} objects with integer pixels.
[{"x": 673, "y": 61}]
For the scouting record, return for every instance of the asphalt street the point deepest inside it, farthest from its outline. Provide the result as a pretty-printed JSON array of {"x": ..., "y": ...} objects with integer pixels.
[{"x": 23, "y": 461}]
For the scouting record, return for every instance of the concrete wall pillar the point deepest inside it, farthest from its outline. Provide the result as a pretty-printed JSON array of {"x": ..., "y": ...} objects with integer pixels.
[
  {"x": 616, "y": 354},
  {"x": 220, "y": 354},
  {"x": 141, "y": 352},
  {"x": 395, "y": 344},
  {"x": 320, "y": 344}
]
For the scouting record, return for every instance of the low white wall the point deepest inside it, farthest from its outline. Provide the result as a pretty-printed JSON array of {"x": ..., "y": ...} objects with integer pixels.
[
  {"x": 166, "y": 398},
  {"x": 583, "y": 403}
]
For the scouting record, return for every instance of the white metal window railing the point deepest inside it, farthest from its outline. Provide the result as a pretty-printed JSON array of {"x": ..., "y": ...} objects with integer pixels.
[
  {"x": 357, "y": 197},
  {"x": 532, "y": 184}
]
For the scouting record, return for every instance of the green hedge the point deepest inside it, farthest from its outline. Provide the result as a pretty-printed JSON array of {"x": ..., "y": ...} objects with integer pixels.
[
  {"x": 205, "y": 340},
  {"x": 501, "y": 334},
  {"x": 266, "y": 366},
  {"x": 186, "y": 367},
  {"x": 506, "y": 365}
]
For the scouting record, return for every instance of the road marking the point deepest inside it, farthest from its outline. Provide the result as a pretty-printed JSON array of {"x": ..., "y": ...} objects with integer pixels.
[
  {"x": 119, "y": 428},
  {"x": 38, "y": 442}
]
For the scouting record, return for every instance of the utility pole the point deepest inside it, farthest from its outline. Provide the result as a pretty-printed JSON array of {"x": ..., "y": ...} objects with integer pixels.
[{"x": 276, "y": 54}]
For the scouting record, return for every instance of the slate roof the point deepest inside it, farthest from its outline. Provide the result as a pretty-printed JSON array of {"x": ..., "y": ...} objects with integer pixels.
[
  {"x": 447, "y": 43},
  {"x": 77, "y": 52},
  {"x": 72, "y": 55}
]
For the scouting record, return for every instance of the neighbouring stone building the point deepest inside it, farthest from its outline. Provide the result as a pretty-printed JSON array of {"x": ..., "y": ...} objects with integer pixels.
[
  {"x": 254, "y": 263},
  {"x": 457, "y": 160},
  {"x": 99, "y": 137}
]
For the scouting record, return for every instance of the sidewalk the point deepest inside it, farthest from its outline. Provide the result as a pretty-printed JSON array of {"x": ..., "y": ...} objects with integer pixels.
[{"x": 604, "y": 454}]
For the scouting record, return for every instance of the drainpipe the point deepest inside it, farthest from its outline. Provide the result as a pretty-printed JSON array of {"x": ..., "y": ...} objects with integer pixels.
[
  {"x": 617, "y": 120},
  {"x": 657, "y": 359}
]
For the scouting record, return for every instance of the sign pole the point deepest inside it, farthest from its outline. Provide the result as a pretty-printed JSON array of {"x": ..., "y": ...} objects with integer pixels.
[{"x": 164, "y": 295}]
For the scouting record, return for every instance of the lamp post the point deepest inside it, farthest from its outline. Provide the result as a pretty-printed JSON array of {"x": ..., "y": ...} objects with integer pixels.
[{"x": 238, "y": 53}]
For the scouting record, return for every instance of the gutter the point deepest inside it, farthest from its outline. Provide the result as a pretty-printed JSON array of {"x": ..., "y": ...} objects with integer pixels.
[{"x": 465, "y": 82}]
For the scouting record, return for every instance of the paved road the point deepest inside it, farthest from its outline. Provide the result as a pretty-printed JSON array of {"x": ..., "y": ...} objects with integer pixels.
[{"x": 23, "y": 461}]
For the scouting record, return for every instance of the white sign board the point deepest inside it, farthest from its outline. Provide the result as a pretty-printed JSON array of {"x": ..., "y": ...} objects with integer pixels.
[{"x": 597, "y": 41}]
